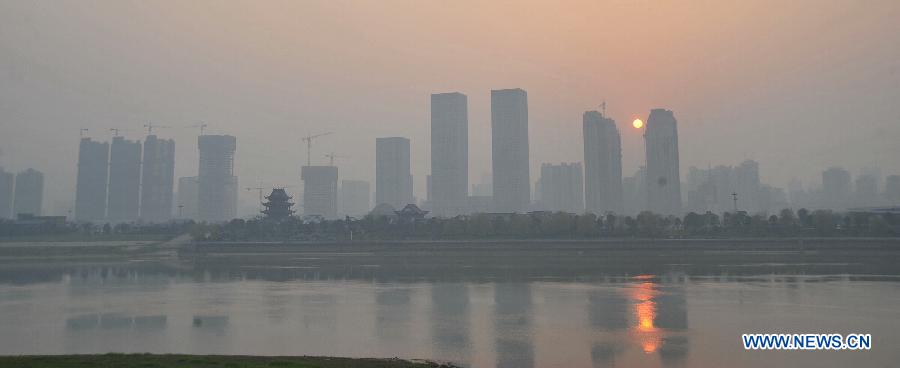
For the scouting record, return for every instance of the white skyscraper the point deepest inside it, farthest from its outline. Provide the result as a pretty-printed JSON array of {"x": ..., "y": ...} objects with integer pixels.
[
  {"x": 393, "y": 181},
  {"x": 562, "y": 188},
  {"x": 602, "y": 164},
  {"x": 509, "y": 148},
  {"x": 217, "y": 185},
  {"x": 663, "y": 178},
  {"x": 449, "y": 187},
  {"x": 320, "y": 191}
]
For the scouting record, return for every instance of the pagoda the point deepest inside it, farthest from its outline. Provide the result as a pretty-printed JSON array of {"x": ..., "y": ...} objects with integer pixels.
[{"x": 278, "y": 205}]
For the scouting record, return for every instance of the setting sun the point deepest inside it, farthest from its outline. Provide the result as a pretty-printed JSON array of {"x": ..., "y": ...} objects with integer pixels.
[{"x": 638, "y": 123}]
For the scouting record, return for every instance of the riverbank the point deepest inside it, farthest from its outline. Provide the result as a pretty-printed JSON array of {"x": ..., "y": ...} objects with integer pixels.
[{"x": 177, "y": 361}]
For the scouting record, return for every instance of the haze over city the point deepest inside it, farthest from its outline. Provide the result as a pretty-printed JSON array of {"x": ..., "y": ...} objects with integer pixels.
[{"x": 810, "y": 86}]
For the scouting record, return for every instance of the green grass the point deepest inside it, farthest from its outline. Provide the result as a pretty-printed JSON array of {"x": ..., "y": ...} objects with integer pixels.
[{"x": 211, "y": 361}]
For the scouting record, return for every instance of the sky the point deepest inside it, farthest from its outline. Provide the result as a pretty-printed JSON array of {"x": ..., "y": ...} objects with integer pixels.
[{"x": 798, "y": 86}]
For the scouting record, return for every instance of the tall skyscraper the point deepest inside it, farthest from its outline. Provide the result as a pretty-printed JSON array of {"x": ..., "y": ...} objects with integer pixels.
[
  {"x": 634, "y": 189},
  {"x": 393, "y": 181},
  {"x": 449, "y": 154},
  {"x": 354, "y": 199},
  {"x": 124, "y": 180},
  {"x": 562, "y": 188},
  {"x": 602, "y": 164},
  {"x": 836, "y": 188},
  {"x": 866, "y": 193},
  {"x": 663, "y": 177},
  {"x": 7, "y": 182},
  {"x": 319, "y": 191},
  {"x": 157, "y": 179},
  {"x": 29, "y": 193},
  {"x": 217, "y": 185},
  {"x": 748, "y": 186},
  {"x": 509, "y": 150},
  {"x": 188, "y": 198},
  {"x": 91, "y": 184}
]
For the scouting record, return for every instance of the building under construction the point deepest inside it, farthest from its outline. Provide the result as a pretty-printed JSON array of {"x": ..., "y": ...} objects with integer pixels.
[
  {"x": 124, "y": 180},
  {"x": 93, "y": 173},
  {"x": 319, "y": 191},
  {"x": 157, "y": 179},
  {"x": 217, "y": 185}
]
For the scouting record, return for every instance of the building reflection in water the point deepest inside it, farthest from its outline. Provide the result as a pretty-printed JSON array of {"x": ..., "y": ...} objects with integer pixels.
[
  {"x": 450, "y": 313},
  {"x": 660, "y": 312},
  {"x": 319, "y": 314},
  {"x": 392, "y": 317},
  {"x": 115, "y": 321},
  {"x": 512, "y": 325},
  {"x": 608, "y": 310}
]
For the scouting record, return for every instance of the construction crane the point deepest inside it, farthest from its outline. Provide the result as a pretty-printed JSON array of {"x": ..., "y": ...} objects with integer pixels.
[
  {"x": 603, "y": 109},
  {"x": 331, "y": 156},
  {"x": 150, "y": 127},
  {"x": 308, "y": 139},
  {"x": 201, "y": 125}
]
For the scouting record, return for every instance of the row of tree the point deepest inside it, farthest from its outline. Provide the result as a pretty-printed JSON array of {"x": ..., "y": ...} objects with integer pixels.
[
  {"x": 88, "y": 230},
  {"x": 560, "y": 225}
]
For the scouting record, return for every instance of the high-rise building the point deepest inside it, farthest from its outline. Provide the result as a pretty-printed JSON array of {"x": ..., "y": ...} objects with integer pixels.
[
  {"x": 602, "y": 164},
  {"x": 836, "y": 188},
  {"x": 634, "y": 189},
  {"x": 393, "y": 180},
  {"x": 562, "y": 188},
  {"x": 509, "y": 150},
  {"x": 663, "y": 178},
  {"x": 319, "y": 191},
  {"x": 157, "y": 179},
  {"x": 29, "y": 193},
  {"x": 124, "y": 180},
  {"x": 217, "y": 185},
  {"x": 188, "y": 198},
  {"x": 449, "y": 154},
  {"x": 7, "y": 182},
  {"x": 748, "y": 187},
  {"x": 354, "y": 199},
  {"x": 866, "y": 190},
  {"x": 91, "y": 184}
]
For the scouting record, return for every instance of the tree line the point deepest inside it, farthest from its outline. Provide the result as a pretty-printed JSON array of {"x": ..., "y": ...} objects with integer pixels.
[{"x": 559, "y": 225}]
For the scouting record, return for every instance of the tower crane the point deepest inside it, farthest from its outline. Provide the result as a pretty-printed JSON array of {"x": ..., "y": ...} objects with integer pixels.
[
  {"x": 200, "y": 125},
  {"x": 331, "y": 156},
  {"x": 308, "y": 139},
  {"x": 150, "y": 127}
]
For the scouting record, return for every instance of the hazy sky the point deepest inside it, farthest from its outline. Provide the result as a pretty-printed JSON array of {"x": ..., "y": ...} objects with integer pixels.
[{"x": 796, "y": 85}]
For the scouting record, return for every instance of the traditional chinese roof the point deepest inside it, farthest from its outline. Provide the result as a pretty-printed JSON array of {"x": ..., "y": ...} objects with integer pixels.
[{"x": 411, "y": 210}]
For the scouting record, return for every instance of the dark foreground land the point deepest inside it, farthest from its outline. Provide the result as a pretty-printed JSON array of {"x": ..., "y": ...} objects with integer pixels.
[{"x": 152, "y": 360}]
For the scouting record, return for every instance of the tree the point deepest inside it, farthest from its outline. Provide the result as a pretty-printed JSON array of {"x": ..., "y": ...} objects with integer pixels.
[{"x": 586, "y": 226}]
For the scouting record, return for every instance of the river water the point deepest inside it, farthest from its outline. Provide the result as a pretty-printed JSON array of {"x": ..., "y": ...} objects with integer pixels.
[{"x": 671, "y": 315}]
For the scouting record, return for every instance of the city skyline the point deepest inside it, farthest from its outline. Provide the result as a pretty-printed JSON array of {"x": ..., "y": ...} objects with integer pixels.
[{"x": 741, "y": 89}]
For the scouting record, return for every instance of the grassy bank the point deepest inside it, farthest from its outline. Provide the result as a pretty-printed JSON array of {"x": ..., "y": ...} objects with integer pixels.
[{"x": 178, "y": 361}]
